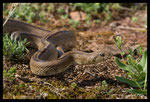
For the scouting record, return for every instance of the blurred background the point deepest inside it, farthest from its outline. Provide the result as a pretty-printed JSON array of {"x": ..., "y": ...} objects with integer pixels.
[
  {"x": 87, "y": 18},
  {"x": 78, "y": 14}
]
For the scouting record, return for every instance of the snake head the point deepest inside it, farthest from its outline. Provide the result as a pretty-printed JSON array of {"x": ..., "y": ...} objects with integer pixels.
[{"x": 101, "y": 56}]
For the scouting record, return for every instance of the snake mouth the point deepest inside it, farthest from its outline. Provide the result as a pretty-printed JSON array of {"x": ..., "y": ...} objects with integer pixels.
[{"x": 88, "y": 51}]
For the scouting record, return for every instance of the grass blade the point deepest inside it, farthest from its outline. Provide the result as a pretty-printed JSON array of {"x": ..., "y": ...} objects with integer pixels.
[
  {"x": 143, "y": 61},
  {"x": 127, "y": 81},
  {"x": 121, "y": 65},
  {"x": 143, "y": 92}
]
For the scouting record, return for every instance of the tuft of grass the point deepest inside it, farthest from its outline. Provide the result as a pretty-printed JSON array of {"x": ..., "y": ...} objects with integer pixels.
[
  {"x": 14, "y": 50},
  {"x": 10, "y": 74}
]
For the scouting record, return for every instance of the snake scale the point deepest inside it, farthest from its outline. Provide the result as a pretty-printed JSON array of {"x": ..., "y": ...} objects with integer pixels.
[{"x": 49, "y": 60}]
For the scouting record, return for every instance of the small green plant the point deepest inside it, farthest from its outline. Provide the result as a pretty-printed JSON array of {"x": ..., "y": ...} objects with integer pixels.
[
  {"x": 137, "y": 71},
  {"x": 10, "y": 74},
  {"x": 74, "y": 85},
  {"x": 118, "y": 40},
  {"x": 135, "y": 19},
  {"x": 74, "y": 23},
  {"x": 60, "y": 10},
  {"x": 86, "y": 7},
  {"x": 104, "y": 84},
  {"x": 13, "y": 49}
]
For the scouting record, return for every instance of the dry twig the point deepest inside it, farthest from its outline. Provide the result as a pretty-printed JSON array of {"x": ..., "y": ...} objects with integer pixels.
[
  {"x": 131, "y": 28},
  {"x": 13, "y": 7}
]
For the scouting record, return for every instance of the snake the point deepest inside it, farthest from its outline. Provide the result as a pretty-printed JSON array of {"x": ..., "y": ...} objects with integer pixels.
[{"x": 55, "y": 49}]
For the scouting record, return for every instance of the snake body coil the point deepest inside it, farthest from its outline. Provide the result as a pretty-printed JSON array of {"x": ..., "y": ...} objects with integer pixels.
[{"x": 47, "y": 60}]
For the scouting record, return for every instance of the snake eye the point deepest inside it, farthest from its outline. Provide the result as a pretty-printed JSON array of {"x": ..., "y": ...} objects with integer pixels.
[{"x": 102, "y": 54}]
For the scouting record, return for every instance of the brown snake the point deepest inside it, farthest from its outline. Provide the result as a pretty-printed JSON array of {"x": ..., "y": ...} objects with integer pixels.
[{"x": 47, "y": 60}]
